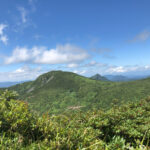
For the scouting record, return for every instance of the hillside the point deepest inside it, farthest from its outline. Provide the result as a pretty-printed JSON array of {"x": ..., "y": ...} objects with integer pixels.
[
  {"x": 59, "y": 91},
  {"x": 99, "y": 77}
]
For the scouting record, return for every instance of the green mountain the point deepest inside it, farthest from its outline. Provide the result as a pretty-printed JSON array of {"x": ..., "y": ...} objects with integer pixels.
[
  {"x": 99, "y": 77},
  {"x": 58, "y": 91}
]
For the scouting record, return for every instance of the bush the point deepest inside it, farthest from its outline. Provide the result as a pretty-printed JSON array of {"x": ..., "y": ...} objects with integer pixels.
[{"x": 123, "y": 128}]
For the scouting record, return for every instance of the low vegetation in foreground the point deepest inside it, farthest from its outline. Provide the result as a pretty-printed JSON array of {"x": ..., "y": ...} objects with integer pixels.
[{"x": 125, "y": 127}]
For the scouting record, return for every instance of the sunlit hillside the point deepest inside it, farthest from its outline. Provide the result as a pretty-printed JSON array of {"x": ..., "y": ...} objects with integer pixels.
[{"x": 58, "y": 91}]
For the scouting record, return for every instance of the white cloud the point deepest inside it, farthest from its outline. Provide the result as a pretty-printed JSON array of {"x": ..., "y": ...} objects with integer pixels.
[
  {"x": 72, "y": 65},
  {"x": 94, "y": 67},
  {"x": 21, "y": 74},
  {"x": 32, "y": 4},
  {"x": 94, "y": 64},
  {"x": 23, "y": 20},
  {"x": 3, "y": 37},
  {"x": 22, "y": 70},
  {"x": 23, "y": 12},
  {"x": 37, "y": 37},
  {"x": 143, "y": 36},
  {"x": 2, "y": 27},
  {"x": 126, "y": 69},
  {"x": 19, "y": 55},
  {"x": 147, "y": 67},
  {"x": 62, "y": 54},
  {"x": 81, "y": 72},
  {"x": 119, "y": 69}
]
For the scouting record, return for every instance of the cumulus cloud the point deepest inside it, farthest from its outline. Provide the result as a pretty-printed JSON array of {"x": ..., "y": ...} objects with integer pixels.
[
  {"x": 3, "y": 37},
  {"x": 21, "y": 74},
  {"x": 62, "y": 54},
  {"x": 143, "y": 36},
  {"x": 18, "y": 55},
  {"x": 94, "y": 67},
  {"x": 126, "y": 69}
]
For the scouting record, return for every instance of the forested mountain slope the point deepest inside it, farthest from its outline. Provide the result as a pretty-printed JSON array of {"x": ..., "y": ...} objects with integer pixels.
[{"x": 59, "y": 91}]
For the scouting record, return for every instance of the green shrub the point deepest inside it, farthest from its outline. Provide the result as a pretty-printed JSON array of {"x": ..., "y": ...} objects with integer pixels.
[{"x": 120, "y": 128}]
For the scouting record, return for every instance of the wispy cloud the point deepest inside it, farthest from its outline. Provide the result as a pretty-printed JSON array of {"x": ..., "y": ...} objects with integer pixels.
[
  {"x": 32, "y": 4},
  {"x": 104, "y": 52},
  {"x": 101, "y": 50},
  {"x": 2, "y": 27},
  {"x": 143, "y": 36},
  {"x": 37, "y": 36},
  {"x": 3, "y": 37},
  {"x": 72, "y": 65},
  {"x": 80, "y": 72},
  {"x": 62, "y": 54},
  {"x": 23, "y": 18},
  {"x": 89, "y": 65},
  {"x": 23, "y": 13}
]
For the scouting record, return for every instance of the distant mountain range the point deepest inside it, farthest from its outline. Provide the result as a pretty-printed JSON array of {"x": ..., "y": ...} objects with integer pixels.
[
  {"x": 99, "y": 77},
  {"x": 116, "y": 78},
  {"x": 8, "y": 84}
]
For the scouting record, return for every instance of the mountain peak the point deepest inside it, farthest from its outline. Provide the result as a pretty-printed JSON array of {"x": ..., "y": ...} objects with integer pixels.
[{"x": 99, "y": 77}]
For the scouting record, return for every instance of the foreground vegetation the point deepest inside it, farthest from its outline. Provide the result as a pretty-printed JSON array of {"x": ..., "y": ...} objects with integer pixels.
[
  {"x": 57, "y": 91},
  {"x": 125, "y": 127}
]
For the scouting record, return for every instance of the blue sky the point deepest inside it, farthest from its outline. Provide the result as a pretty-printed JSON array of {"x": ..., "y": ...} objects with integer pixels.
[{"x": 82, "y": 36}]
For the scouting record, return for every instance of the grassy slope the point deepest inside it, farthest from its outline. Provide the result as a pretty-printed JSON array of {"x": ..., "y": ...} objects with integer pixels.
[{"x": 58, "y": 91}]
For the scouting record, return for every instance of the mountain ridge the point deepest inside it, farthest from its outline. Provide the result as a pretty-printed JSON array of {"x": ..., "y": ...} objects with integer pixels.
[{"x": 56, "y": 91}]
